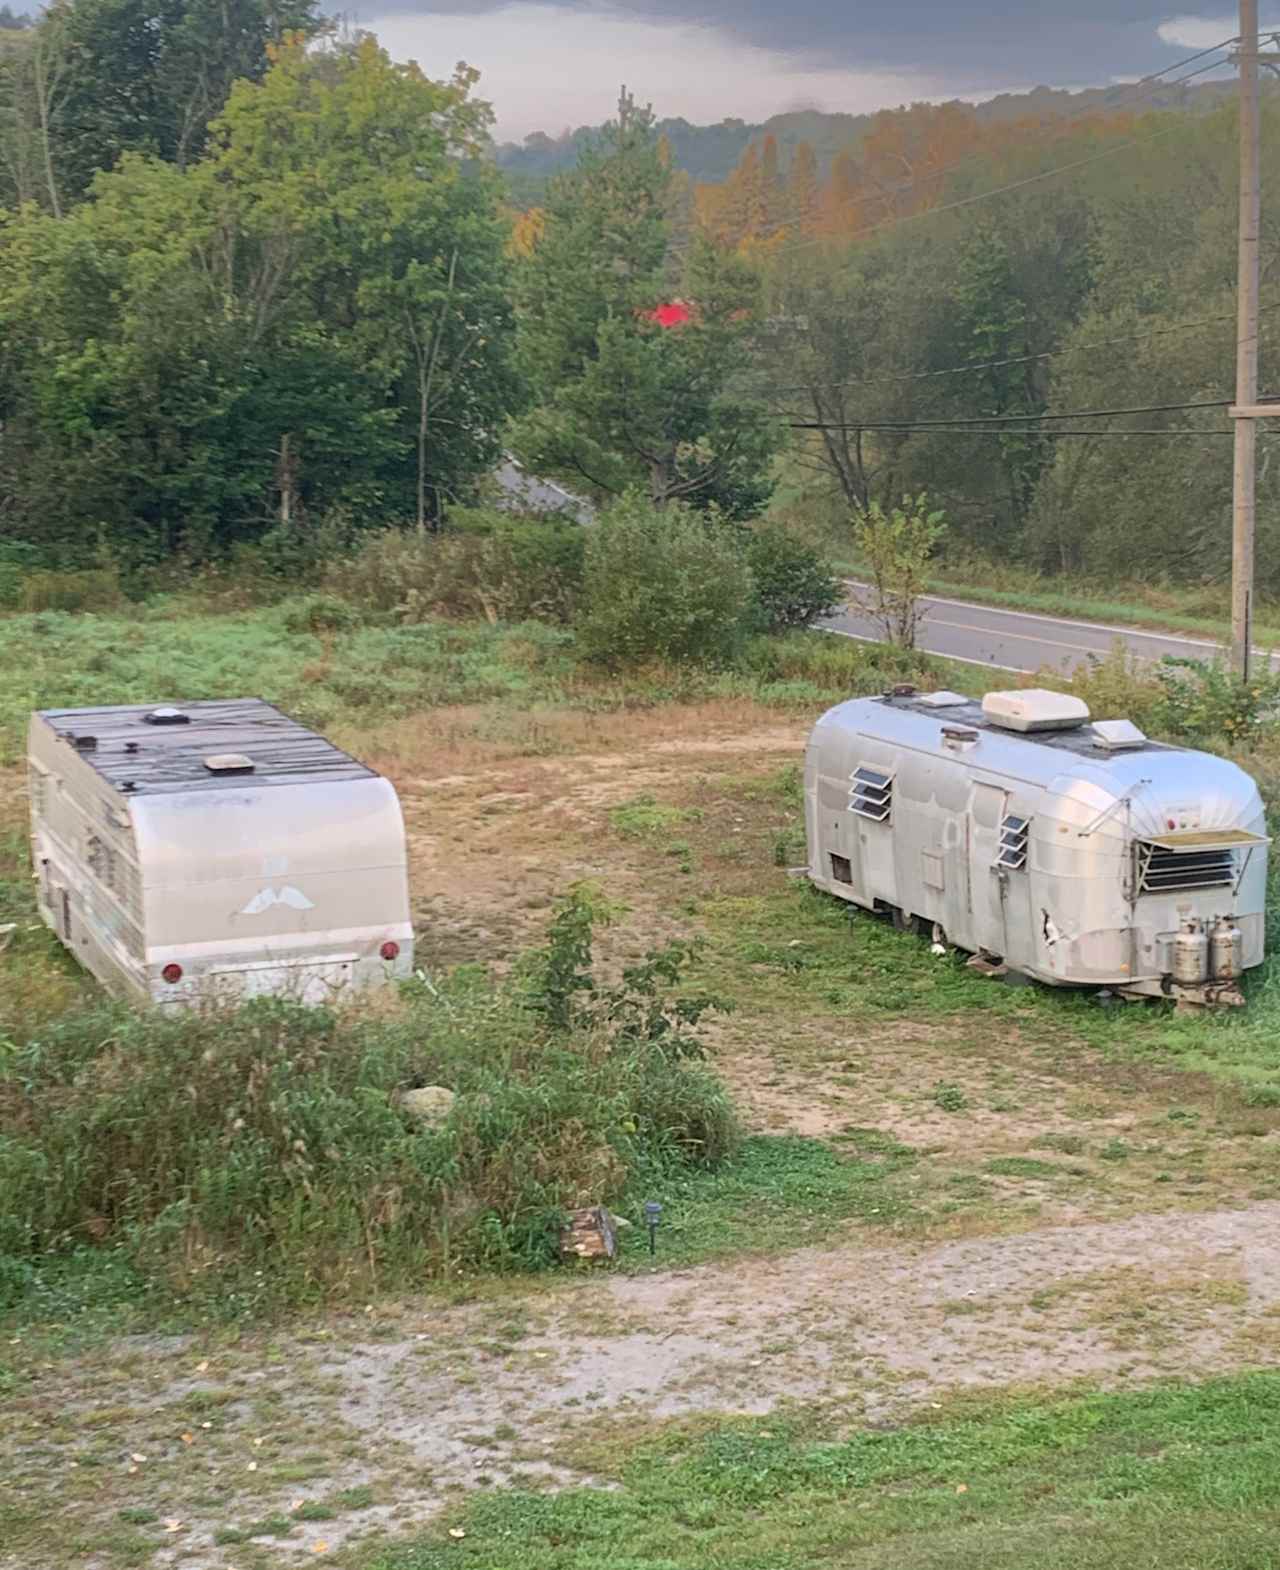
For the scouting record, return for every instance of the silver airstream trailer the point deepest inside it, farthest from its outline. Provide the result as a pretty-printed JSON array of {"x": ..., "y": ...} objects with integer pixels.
[
  {"x": 217, "y": 849},
  {"x": 1079, "y": 854}
]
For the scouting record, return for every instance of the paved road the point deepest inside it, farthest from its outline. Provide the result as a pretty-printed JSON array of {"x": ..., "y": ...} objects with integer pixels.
[
  {"x": 527, "y": 492},
  {"x": 1018, "y": 640}
]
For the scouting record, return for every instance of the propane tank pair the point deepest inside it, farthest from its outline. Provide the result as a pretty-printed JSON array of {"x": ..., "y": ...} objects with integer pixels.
[{"x": 1201, "y": 954}]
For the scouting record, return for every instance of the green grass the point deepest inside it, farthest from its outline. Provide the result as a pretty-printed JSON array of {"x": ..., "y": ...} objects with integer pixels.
[
  {"x": 776, "y": 1191},
  {"x": 60, "y": 660},
  {"x": 363, "y": 673},
  {"x": 1171, "y": 1478},
  {"x": 801, "y": 952},
  {"x": 644, "y": 818}
]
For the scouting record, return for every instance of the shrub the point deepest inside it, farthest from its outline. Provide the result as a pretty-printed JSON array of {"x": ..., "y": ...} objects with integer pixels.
[
  {"x": 505, "y": 569},
  {"x": 391, "y": 570},
  {"x": 93, "y": 589},
  {"x": 17, "y": 559},
  {"x": 794, "y": 585},
  {"x": 319, "y": 613},
  {"x": 1178, "y": 699},
  {"x": 669, "y": 585},
  {"x": 1204, "y": 702},
  {"x": 897, "y": 546},
  {"x": 263, "y": 1150}
]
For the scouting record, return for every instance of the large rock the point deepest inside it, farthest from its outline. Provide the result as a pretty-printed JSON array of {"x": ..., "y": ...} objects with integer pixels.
[{"x": 429, "y": 1105}]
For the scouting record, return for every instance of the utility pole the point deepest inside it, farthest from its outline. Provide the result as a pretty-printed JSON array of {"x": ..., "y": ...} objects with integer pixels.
[{"x": 1246, "y": 424}]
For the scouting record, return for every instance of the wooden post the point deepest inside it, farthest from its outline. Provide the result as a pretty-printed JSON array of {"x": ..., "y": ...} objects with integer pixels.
[{"x": 1246, "y": 428}]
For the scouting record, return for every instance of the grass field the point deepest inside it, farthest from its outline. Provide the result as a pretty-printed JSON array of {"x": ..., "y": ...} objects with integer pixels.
[
  {"x": 912, "y": 1319},
  {"x": 1175, "y": 1478}
]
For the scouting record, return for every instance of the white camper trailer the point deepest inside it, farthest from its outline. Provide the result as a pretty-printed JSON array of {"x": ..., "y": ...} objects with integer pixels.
[
  {"x": 1079, "y": 854},
  {"x": 219, "y": 849}
]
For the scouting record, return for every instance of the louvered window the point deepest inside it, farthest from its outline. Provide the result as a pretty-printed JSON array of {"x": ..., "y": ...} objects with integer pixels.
[
  {"x": 1013, "y": 842},
  {"x": 1165, "y": 871},
  {"x": 871, "y": 795}
]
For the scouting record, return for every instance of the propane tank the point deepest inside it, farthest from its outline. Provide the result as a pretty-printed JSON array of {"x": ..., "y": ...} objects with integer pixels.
[
  {"x": 1226, "y": 950},
  {"x": 1190, "y": 954}
]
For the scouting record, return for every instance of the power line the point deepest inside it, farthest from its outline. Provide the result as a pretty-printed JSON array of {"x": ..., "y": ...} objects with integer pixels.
[
  {"x": 1000, "y": 190},
  {"x": 1054, "y": 127},
  {"x": 1067, "y": 414},
  {"x": 1019, "y": 359},
  {"x": 932, "y": 430}
]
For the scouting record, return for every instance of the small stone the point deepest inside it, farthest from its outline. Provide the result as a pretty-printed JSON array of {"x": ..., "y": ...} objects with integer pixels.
[{"x": 429, "y": 1105}]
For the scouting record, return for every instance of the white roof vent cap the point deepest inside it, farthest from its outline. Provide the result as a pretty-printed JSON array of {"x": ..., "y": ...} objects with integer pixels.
[
  {"x": 1116, "y": 735},
  {"x": 229, "y": 763},
  {"x": 1034, "y": 709}
]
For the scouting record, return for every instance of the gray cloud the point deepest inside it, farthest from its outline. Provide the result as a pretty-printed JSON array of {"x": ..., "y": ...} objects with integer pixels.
[{"x": 972, "y": 46}]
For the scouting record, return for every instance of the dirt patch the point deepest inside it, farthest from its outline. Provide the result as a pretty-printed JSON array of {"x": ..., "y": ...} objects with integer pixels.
[
  {"x": 401, "y": 1413},
  {"x": 490, "y": 849}
]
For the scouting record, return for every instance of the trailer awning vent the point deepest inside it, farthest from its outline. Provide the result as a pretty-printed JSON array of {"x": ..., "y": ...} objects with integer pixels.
[
  {"x": 1163, "y": 870},
  {"x": 871, "y": 795},
  {"x": 1013, "y": 843},
  {"x": 229, "y": 763},
  {"x": 166, "y": 716}
]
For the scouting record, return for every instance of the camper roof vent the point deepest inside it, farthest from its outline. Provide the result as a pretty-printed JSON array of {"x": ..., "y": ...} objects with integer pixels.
[
  {"x": 229, "y": 763},
  {"x": 941, "y": 700},
  {"x": 1116, "y": 735},
  {"x": 167, "y": 716},
  {"x": 1034, "y": 709}
]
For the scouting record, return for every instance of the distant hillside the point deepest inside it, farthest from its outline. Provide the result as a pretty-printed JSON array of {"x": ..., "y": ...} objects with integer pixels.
[{"x": 709, "y": 153}]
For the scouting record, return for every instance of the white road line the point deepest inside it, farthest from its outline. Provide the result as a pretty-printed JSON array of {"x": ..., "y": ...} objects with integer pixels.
[
  {"x": 1018, "y": 637},
  {"x": 1056, "y": 621},
  {"x": 861, "y": 637}
]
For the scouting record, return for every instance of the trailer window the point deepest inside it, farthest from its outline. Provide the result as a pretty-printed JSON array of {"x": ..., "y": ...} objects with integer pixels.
[
  {"x": 1012, "y": 853},
  {"x": 871, "y": 795},
  {"x": 1165, "y": 871}
]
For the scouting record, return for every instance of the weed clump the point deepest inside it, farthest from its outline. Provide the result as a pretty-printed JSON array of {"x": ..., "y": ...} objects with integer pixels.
[{"x": 261, "y": 1154}]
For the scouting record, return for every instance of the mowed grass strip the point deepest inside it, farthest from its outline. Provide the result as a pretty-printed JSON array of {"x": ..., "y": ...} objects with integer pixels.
[{"x": 1180, "y": 1478}]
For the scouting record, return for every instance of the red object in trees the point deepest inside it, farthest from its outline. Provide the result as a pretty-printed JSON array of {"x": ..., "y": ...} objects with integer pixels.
[{"x": 674, "y": 314}]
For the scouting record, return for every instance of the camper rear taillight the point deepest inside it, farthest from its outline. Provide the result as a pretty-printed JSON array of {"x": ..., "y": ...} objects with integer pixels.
[
  {"x": 390, "y": 951},
  {"x": 172, "y": 974}
]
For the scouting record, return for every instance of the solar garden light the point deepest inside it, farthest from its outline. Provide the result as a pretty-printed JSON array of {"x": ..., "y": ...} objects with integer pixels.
[{"x": 652, "y": 1215}]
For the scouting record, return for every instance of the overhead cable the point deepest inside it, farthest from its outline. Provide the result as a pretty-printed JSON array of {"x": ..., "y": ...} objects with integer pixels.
[
  {"x": 1053, "y": 127},
  {"x": 1021, "y": 359}
]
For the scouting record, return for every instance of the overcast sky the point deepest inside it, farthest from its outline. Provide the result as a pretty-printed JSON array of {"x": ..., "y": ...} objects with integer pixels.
[{"x": 549, "y": 65}]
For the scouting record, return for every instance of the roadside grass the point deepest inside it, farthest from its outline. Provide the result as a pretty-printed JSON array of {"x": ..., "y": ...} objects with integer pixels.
[
  {"x": 1174, "y": 1477},
  {"x": 1198, "y": 610}
]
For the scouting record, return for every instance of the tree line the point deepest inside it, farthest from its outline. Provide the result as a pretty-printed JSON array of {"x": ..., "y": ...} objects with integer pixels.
[{"x": 255, "y": 275}]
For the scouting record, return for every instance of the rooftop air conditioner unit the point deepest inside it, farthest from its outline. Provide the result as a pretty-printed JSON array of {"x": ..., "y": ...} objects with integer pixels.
[{"x": 1035, "y": 709}]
